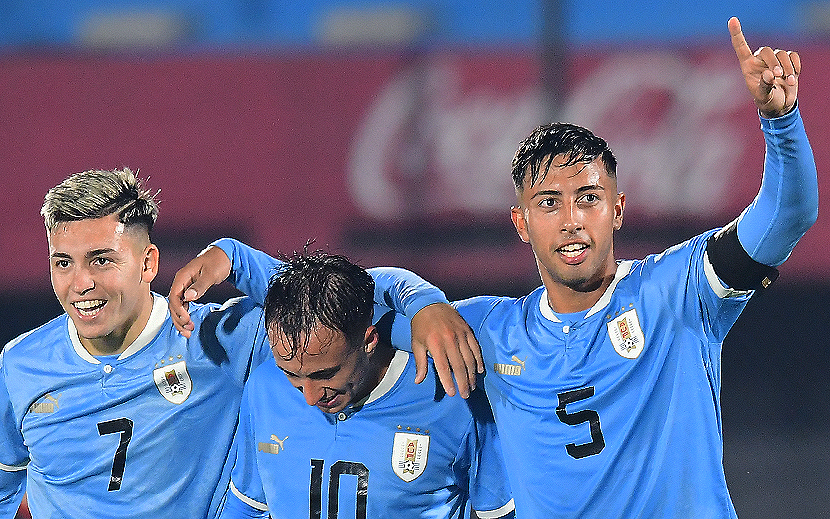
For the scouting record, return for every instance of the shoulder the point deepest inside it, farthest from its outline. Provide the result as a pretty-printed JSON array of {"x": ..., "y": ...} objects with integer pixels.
[
  {"x": 56, "y": 329},
  {"x": 682, "y": 257},
  {"x": 486, "y": 306},
  {"x": 233, "y": 312}
]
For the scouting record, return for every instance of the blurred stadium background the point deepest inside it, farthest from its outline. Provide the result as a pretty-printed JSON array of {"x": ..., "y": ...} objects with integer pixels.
[{"x": 385, "y": 131}]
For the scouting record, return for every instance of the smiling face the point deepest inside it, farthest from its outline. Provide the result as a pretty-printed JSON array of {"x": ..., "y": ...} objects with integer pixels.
[
  {"x": 330, "y": 373},
  {"x": 101, "y": 273},
  {"x": 569, "y": 217}
]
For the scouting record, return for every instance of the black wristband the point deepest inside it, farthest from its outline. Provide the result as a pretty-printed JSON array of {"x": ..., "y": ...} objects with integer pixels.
[{"x": 732, "y": 263}]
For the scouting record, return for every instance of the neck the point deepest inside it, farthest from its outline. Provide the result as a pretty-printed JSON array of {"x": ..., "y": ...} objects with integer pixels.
[
  {"x": 121, "y": 338},
  {"x": 381, "y": 358},
  {"x": 379, "y": 363},
  {"x": 565, "y": 299}
]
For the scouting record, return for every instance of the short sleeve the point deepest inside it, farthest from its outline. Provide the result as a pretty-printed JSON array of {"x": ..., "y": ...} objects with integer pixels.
[
  {"x": 13, "y": 454},
  {"x": 246, "y": 484}
]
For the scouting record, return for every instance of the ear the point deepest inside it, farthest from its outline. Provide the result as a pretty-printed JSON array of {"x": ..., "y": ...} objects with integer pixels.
[
  {"x": 150, "y": 266},
  {"x": 517, "y": 214},
  {"x": 619, "y": 208},
  {"x": 370, "y": 339}
]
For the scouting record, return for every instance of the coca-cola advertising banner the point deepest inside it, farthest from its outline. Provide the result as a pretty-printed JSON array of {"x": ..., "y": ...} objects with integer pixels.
[{"x": 399, "y": 159}]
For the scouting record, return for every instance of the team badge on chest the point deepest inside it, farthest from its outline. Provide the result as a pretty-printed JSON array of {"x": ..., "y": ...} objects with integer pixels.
[
  {"x": 173, "y": 382},
  {"x": 409, "y": 455},
  {"x": 626, "y": 335}
]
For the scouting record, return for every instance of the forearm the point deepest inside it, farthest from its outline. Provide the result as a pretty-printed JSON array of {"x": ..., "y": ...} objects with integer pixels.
[
  {"x": 251, "y": 269},
  {"x": 787, "y": 203},
  {"x": 404, "y": 291}
]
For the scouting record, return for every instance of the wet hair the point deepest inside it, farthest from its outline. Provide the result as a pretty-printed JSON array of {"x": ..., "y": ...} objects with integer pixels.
[
  {"x": 535, "y": 154},
  {"x": 316, "y": 289},
  {"x": 98, "y": 193}
]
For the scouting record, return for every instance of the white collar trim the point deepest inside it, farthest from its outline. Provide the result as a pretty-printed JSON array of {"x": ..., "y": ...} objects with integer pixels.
[
  {"x": 157, "y": 317},
  {"x": 623, "y": 268},
  {"x": 393, "y": 373}
]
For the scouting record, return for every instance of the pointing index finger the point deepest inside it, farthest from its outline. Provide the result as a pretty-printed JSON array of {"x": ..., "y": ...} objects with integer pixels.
[{"x": 738, "y": 40}]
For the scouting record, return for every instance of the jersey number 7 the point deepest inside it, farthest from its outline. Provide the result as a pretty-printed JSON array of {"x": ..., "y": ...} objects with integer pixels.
[{"x": 125, "y": 427}]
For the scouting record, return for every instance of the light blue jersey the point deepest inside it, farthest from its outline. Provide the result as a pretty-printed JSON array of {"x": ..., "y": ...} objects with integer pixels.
[
  {"x": 142, "y": 434},
  {"x": 407, "y": 451},
  {"x": 615, "y": 411}
]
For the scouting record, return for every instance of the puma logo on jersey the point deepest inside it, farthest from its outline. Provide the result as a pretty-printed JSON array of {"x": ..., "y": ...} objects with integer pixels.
[
  {"x": 47, "y": 404},
  {"x": 510, "y": 369},
  {"x": 272, "y": 448}
]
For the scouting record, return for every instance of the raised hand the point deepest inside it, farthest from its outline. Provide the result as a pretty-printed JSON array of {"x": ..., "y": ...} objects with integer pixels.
[
  {"x": 771, "y": 75},
  {"x": 211, "y": 267}
]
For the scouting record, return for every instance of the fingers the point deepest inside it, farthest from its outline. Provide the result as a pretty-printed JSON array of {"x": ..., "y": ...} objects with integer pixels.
[
  {"x": 738, "y": 41},
  {"x": 178, "y": 307},
  {"x": 421, "y": 364},
  {"x": 770, "y": 74},
  {"x": 445, "y": 375},
  {"x": 779, "y": 63},
  {"x": 440, "y": 330}
]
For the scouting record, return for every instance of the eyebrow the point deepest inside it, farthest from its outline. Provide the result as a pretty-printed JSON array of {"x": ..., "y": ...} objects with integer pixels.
[
  {"x": 90, "y": 254},
  {"x": 582, "y": 189},
  {"x": 319, "y": 374}
]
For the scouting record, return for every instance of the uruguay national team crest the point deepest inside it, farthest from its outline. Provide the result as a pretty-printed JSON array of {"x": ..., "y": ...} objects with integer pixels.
[
  {"x": 409, "y": 455},
  {"x": 626, "y": 334},
  {"x": 173, "y": 382}
]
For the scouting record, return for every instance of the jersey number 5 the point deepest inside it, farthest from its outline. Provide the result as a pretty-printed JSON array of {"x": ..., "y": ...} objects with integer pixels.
[
  {"x": 337, "y": 469},
  {"x": 597, "y": 442},
  {"x": 125, "y": 427}
]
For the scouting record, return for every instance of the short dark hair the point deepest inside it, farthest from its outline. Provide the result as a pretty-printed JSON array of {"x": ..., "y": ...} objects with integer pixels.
[
  {"x": 577, "y": 144},
  {"x": 318, "y": 289},
  {"x": 97, "y": 193}
]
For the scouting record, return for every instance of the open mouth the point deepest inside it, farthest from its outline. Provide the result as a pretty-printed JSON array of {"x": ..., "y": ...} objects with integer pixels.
[
  {"x": 572, "y": 250},
  {"x": 89, "y": 308}
]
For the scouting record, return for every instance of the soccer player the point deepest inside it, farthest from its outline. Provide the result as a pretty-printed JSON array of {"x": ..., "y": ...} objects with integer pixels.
[
  {"x": 107, "y": 409},
  {"x": 360, "y": 438},
  {"x": 605, "y": 381}
]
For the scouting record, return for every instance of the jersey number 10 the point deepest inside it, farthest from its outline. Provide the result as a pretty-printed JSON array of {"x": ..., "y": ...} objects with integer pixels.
[{"x": 315, "y": 505}]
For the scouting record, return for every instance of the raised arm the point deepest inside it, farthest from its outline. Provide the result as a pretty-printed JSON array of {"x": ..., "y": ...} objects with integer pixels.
[{"x": 745, "y": 252}]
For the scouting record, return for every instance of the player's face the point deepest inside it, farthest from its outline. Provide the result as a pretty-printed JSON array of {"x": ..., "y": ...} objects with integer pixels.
[
  {"x": 569, "y": 218},
  {"x": 330, "y": 373},
  {"x": 101, "y": 274}
]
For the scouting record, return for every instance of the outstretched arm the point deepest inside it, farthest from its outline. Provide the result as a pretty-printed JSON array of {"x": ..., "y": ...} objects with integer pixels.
[
  {"x": 435, "y": 325},
  {"x": 744, "y": 253},
  {"x": 431, "y": 326},
  {"x": 251, "y": 272}
]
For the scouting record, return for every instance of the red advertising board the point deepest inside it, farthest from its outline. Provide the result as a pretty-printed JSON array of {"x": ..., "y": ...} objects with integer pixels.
[{"x": 391, "y": 158}]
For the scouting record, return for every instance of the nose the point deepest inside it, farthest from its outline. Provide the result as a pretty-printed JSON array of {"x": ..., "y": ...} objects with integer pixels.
[
  {"x": 312, "y": 391},
  {"x": 82, "y": 281},
  {"x": 571, "y": 219}
]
